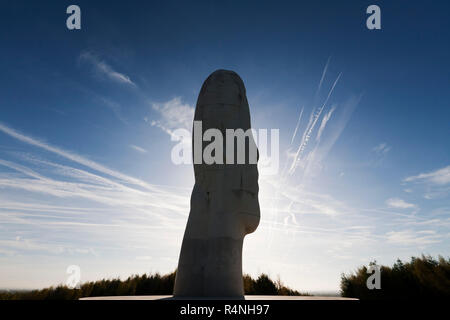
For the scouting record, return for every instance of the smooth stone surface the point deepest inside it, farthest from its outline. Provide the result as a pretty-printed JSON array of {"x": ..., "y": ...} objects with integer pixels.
[
  {"x": 224, "y": 200},
  {"x": 250, "y": 297}
]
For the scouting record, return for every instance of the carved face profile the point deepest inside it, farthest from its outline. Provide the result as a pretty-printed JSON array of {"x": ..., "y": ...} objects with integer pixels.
[
  {"x": 224, "y": 201},
  {"x": 222, "y": 104}
]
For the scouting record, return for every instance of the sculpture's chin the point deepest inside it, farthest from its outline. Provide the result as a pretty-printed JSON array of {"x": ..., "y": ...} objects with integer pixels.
[{"x": 250, "y": 221}]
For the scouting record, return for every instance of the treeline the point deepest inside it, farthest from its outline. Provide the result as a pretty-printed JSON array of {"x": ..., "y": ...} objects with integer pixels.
[
  {"x": 153, "y": 284},
  {"x": 263, "y": 285},
  {"x": 421, "y": 278}
]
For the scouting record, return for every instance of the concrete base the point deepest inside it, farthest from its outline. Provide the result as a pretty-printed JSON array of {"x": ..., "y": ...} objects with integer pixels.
[{"x": 304, "y": 298}]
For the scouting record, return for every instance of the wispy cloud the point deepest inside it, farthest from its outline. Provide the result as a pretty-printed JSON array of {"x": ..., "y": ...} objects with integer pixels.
[
  {"x": 54, "y": 208},
  {"x": 381, "y": 149},
  {"x": 73, "y": 157},
  {"x": 299, "y": 201},
  {"x": 379, "y": 154},
  {"x": 439, "y": 177},
  {"x": 291, "y": 201},
  {"x": 325, "y": 119},
  {"x": 105, "y": 69},
  {"x": 138, "y": 149},
  {"x": 174, "y": 114},
  {"x": 115, "y": 108},
  {"x": 410, "y": 237},
  {"x": 92, "y": 187},
  {"x": 31, "y": 245},
  {"x": 433, "y": 184},
  {"x": 400, "y": 204},
  {"x": 312, "y": 162},
  {"x": 315, "y": 115},
  {"x": 324, "y": 72},
  {"x": 296, "y": 127}
]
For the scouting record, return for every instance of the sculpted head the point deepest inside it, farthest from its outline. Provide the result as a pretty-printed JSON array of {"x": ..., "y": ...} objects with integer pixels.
[
  {"x": 222, "y": 102},
  {"x": 224, "y": 201}
]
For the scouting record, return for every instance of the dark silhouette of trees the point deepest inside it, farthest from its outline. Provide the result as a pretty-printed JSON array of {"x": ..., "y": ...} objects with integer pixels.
[
  {"x": 153, "y": 284},
  {"x": 421, "y": 278}
]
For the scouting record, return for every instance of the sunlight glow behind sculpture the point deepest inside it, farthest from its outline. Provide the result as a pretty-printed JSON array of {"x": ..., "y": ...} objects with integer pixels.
[{"x": 224, "y": 201}]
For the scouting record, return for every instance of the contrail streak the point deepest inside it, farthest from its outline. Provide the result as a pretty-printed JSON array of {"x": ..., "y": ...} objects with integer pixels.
[
  {"x": 311, "y": 128},
  {"x": 296, "y": 127},
  {"x": 323, "y": 75}
]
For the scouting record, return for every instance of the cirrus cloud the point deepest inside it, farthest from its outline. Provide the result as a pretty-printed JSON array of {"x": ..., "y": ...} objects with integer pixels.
[
  {"x": 105, "y": 69},
  {"x": 440, "y": 176},
  {"x": 400, "y": 204}
]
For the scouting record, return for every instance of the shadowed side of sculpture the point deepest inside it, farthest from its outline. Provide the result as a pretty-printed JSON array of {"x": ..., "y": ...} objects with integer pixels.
[{"x": 224, "y": 201}]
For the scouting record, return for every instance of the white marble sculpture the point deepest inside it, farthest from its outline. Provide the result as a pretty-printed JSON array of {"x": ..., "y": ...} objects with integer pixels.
[{"x": 224, "y": 201}]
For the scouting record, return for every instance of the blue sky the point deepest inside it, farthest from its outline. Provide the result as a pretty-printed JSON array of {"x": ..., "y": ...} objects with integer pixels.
[{"x": 86, "y": 176}]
